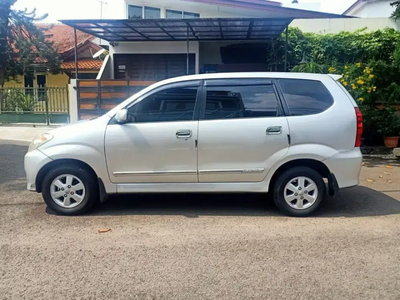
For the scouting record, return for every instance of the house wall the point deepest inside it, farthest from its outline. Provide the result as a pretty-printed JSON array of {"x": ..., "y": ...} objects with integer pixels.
[
  {"x": 336, "y": 25},
  {"x": 373, "y": 9},
  {"x": 156, "y": 48},
  {"x": 205, "y": 10},
  {"x": 19, "y": 82},
  {"x": 60, "y": 80}
]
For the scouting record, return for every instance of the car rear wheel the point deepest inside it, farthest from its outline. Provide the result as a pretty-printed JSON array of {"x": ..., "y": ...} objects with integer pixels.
[
  {"x": 299, "y": 191},
  {"x": 69, "y": 190}
]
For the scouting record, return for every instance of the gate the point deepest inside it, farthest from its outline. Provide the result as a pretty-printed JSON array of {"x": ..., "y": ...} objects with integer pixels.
[
  {"x": 47, "y": 105},
  {"x": 96, "y": 97}
]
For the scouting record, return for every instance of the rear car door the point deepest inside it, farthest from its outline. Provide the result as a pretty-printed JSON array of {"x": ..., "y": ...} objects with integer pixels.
[
  {"x": 242, "y": 130},
  {"x": 158, "y": 143}
]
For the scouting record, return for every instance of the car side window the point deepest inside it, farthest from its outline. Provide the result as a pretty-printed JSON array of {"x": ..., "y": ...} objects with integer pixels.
[
  {"x": 240, "y": 101},
  {"x": 169, "y": 105},
  {"x": 305, "y": 97}
]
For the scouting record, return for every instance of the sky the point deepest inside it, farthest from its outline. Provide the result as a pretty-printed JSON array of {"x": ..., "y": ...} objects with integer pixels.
[{"x": 90, "y": 9}]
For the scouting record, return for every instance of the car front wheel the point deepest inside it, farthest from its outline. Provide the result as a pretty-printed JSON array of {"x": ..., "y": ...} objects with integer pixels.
[
  {"x": 69, "y": 190},
  {"x": 299, "y": 191}
]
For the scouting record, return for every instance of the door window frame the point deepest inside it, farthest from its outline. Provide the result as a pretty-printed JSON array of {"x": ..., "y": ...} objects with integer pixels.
[
  {"x": 191, "y": 83},
  {"x": 239, "y": 82}
]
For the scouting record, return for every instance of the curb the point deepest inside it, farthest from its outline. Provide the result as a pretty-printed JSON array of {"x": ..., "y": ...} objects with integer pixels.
[{"x": 30, "y": 125}]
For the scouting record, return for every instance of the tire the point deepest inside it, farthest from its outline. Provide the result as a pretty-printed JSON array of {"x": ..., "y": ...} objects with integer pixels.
[
  {"x": 73, "y": 181},
  {"x": 291, "y": 194}
]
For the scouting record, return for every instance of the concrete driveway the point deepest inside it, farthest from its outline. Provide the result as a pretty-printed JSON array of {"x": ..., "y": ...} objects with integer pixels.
[{"x": 200, "y": 246}]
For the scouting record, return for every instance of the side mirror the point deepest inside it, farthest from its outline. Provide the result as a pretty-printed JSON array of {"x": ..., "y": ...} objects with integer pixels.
[{"x": 122, "y": 116}]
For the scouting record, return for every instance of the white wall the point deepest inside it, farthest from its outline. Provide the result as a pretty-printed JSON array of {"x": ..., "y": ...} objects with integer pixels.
[
  {"x": 336, "y": 25},
  {"x": 375, "y": 9},
  {"x": 157, "y": 48},
  {"x": 73, "y": 101}
]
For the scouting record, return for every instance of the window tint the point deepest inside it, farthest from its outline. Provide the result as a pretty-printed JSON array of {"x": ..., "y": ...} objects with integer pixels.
[
  {"x": 174, "y": 104},
  {"x": 305, "y": 97},
  {"x": 246, "y": 101},
  {"x": 152, "y": 13},
  {"x": 134, "y": 12}
]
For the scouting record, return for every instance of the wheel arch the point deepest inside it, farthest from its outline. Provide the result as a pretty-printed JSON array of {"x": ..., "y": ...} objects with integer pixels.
[
  {"x": 316, "y": 165},
  {"x": 46, "y": 168}
]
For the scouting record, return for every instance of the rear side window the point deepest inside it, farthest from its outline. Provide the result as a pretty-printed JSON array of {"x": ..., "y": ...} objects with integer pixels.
[
  {"x": 305, "y": 97},
  {"x": 244, "y": 101}
]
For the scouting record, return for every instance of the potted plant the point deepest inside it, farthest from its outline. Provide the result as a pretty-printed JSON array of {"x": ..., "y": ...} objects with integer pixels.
[{"x": 389, "y": 127}]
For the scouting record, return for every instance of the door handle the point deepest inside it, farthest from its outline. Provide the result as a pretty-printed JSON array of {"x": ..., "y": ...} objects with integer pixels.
[
  {"x": 183, "y": 134},
  {"x": 274, "y": 130}
]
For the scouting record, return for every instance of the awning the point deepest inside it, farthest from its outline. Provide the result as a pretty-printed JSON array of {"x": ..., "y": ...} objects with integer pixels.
[{"x": 183, "y": 29}]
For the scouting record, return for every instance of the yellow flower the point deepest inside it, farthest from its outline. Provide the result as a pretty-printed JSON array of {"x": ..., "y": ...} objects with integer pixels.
[
  {"x": 361, "y": 99},
  {"x": 353, "y": 86},
  {"x": 332, "y": 70},
  {"x": 345, "y": 83},
  {"x": 346, "y": 67},
  {"x": 371, "y": 76},
  {"x": 358, "y": 64},
  {"x": 360, "y": 81},
  {"x": 374, "y": 88}
]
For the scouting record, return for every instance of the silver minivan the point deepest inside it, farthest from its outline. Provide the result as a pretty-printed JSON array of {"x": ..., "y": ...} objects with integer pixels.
[{"x": 294, "y": 135}]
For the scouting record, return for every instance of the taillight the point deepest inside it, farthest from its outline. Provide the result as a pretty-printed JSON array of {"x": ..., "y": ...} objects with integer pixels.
[{"x": 359, "y": 127}]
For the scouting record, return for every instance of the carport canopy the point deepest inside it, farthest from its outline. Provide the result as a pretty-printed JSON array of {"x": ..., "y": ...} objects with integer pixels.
[{"x": 183, "y": 29}]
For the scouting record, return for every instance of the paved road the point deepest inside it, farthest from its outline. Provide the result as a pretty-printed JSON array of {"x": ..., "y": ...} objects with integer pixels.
[{"x": 200, "y": 247}]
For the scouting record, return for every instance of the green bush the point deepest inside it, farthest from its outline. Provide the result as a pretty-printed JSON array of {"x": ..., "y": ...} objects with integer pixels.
[{"x": 369, "y": 63}]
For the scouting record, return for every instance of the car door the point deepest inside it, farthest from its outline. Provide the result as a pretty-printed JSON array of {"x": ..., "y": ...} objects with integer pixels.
[
  {"x": 158, "y": 143},
  {"x": 242, "y": 130}
]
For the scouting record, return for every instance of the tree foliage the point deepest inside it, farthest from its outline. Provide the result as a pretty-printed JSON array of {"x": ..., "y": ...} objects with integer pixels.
[
  {"x": 396, "y": 13},
  {"x": 23, "y": 44}
]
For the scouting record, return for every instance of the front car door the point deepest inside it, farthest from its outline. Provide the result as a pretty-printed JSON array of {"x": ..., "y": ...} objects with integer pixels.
[
  {"x": 242, "y": 130},
  {"x": 158, "y": 143}
]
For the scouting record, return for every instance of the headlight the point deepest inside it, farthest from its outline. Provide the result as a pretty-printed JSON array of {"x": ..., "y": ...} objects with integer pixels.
[{"x": 39, "y": 141}]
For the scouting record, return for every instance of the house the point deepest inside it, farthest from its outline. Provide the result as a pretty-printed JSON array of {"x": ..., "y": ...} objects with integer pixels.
[
  {"x": 370, "y": 9},
  {"x": 155, "y": 50},
  {"x": 63, "y": 38}
]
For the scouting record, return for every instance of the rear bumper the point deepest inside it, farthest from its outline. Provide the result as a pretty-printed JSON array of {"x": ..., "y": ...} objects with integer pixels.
[
  {"x": 33, "y": 162},
  {"x": 346, "y": 166}
]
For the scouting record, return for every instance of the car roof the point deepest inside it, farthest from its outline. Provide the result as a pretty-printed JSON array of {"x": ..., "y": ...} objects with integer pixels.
[{"x": 243, "y": 75}]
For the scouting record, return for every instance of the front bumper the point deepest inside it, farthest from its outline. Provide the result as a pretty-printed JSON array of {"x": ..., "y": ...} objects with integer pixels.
[
  {"x": 33, "y": 162},
  {"x": 346, "y": 166}
]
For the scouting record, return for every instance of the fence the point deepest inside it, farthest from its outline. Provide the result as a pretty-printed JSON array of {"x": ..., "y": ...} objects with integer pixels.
[
  {"x": 34, "y": 105},
  {"x": 96, "y": 97}
]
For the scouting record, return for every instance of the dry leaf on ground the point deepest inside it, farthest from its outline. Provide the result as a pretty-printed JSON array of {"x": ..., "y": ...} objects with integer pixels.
[
  {"x": 387, "y": 173},
  {"x": 363, "y": 163},
  {"x": 390, "y": 181},
  {"x": 380, "y": 176},
  {"x": 389, "y": 167},
  {"x": 103, "y": 230},
  {"x": 369, "y": 180}
]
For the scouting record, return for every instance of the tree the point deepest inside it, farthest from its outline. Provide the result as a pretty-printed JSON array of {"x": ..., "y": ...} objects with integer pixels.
[
  {"x": 396, "y": 13},
  {"x": 23, "y": 44}
]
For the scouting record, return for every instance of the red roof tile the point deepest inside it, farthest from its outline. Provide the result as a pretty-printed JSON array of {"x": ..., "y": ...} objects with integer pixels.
[
  {"x": 63, "y": 36},
  {"x": 83, "y": 64}
]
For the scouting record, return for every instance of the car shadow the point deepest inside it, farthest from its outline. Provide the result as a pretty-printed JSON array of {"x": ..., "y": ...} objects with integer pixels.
[{"x": 354, "y": 202}]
